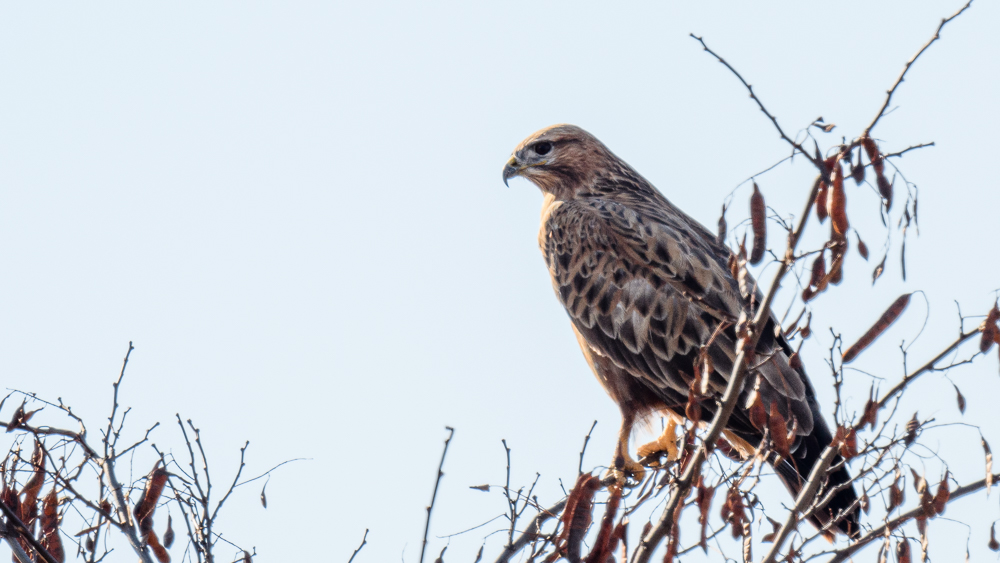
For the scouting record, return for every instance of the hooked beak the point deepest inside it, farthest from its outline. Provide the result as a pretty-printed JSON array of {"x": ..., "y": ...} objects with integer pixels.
[{"x": 510, "y": 170}]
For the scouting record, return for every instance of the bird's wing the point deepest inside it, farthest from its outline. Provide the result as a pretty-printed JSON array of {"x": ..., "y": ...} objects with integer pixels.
[{"x": 648, "y": 293}]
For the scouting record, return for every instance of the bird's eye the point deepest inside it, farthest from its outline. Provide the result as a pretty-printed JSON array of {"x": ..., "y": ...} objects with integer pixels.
[{"x": 542, "y": 148}]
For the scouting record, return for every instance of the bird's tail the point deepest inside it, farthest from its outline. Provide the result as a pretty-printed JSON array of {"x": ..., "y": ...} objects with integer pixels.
[{"x": 794, "y": 472}]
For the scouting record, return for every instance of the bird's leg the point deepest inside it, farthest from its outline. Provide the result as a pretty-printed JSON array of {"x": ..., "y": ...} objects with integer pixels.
[
  {"x": 649, "y": 454},
  {"x": 625, "y": 470}
]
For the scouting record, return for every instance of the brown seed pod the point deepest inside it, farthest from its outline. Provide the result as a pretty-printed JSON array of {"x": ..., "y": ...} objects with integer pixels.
[
  {"x": 168, "y": 536},
  {"x": 887, "y": 318},
  {"x": 144, "y": 508},
  {"x": 911, "y": 430},
  {"x": 576, "y": 517},
  {"x": 818, "y": 270},
  {"x": 779, "y": 431},
  {"x": 942, "y": 495},
  {"x": 50, "y": 527},
  {"x": 862, "y": 247},
  {"x": 848, "y": 442},
  {"x": 795, "y": 362},
  {"x": 885, "y": 190},
  {"x": 989, "y": 465},
  {"x": 991, "y": 333},
  {"x": 870, "y": 416},
  {"x": 858, "y": 172},
  {"x": 821, "y": 195},
  {"x": 877, "y": 272},
  {"x": 837, "y": 205},
  {"x": 896, "y": 494},
  {"x": 758, "y": 220}
]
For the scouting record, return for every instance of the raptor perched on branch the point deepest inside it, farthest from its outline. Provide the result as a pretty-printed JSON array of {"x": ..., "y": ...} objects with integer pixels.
[{"x": 656, "y": 309}]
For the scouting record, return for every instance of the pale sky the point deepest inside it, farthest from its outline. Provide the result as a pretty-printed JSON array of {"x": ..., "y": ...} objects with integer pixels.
[{"x": 295, "y": 212}]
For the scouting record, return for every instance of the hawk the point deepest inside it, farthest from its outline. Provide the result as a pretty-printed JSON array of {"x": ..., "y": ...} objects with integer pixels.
[{"x": 648, "y": 289}]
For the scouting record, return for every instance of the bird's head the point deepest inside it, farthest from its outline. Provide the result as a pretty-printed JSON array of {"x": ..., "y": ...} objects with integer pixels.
[{"x": 559, "y": 160}]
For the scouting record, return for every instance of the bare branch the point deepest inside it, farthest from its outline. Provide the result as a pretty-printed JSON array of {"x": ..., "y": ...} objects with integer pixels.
[
  {"x": 774, "y": 120},
  {"x": 533, "y": 531},
  {"x": 879, "y": 532},
  {"x": 440, "y": 474},
  {"x": 364, "y": 540},
  {"x": 584, "y": 448},
  {"x": 907, "y": 149},
  {"x": 909, "y": 63}
]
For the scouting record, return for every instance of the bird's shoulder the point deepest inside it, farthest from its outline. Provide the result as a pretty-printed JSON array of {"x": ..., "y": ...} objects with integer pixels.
[{"x": 628, "y": 237}]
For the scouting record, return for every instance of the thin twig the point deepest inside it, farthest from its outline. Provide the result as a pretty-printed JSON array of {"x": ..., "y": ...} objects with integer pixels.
[
  {"x": 760, "y": 104},
  {"x": 440, "y": 474},
  {"x": 364, "y": 540},
  {"x": 235, "y": 480},
  {"x": 584, "y": 448},
  {"x": 906, "y": 67},
  {"x": 929, "y": 366},
  {"x": 907, "y": 149},
  {"x": 532, "y": 532}
]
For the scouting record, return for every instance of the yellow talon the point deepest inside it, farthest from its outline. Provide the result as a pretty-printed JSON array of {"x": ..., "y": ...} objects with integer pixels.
[{"x": 667, "y": 442}]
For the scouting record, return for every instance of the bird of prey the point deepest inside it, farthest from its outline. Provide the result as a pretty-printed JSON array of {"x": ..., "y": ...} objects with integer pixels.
[{"x": 647, "y": 289}]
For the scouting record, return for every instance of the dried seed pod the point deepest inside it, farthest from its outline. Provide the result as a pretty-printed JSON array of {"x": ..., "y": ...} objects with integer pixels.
[
  {"x": 877, "y": 272},
  {"x": 885, "y": 190},
  {"x": 704, "y": 502},
  {"x": 779, "y": 432},
  {"x": 734, "y": 511},
  {"x": 818, "y": 270},
  {"x": 989, "y": 465},
  {"x": 821, "y": 195},
  {"x": 994, "y": 545},
  {"x": 806, "y": 331},
  {"x": 960, "y": 398},
  {"x": 144, "y": 508},
  {"x": 870, "y": 415},
  {"x": 50, "y": 527},
  {"x": 576, "y": 516},
  {"x": 758, "y": 220},
  {"x": 887, "y": 318},
  {"x": 991, "y": 333},
  {"x": 942, "y": 495},
  {"x": 849, "y": 443},
  {"x": 693, "y": 408},
  {"x": 605, "y": 543},
  {"x": 862, "y": 247},
  {"x": 837, "y": 205},
  {"x": 795, "y": 362},
  {"x": 896, "y": 494},
  {"x": 168, "y": 536},
  {"x": 158, "y": 550},
  {"x": 858, "y": 172},
  {"x": 758, "y": 415},
  {"x": 911, "y": 430}
]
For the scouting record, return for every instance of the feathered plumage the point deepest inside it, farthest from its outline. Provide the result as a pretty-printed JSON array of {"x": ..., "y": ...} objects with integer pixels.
[{"x": 646, "y": 287}]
